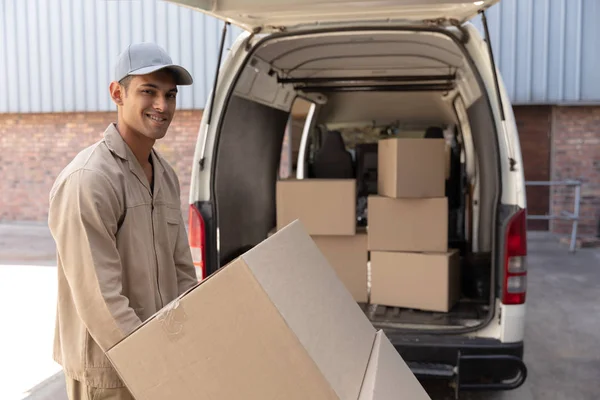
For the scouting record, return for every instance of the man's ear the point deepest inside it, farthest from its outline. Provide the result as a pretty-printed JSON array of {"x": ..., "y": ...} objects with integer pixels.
[{"x": 117, "y": 92}]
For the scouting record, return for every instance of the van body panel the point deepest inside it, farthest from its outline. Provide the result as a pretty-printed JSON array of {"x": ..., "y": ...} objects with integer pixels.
[
  {"x": 508, "y": 325},
  {"x": 512, "y": 323},
  {"x": 513, "y": 181},
  {"x": 200, "y": 189},
  {"x": 277, "y": 15},
  {"x": 498, "y": 182}
]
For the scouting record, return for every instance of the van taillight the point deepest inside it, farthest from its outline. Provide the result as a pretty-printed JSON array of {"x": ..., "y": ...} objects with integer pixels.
[
  {"x": 515, "y": 260},
  {"x": 197, "y": 239}
]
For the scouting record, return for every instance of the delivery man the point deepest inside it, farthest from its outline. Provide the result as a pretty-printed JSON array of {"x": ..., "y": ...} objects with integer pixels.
[{"x": 122, "y": 247}]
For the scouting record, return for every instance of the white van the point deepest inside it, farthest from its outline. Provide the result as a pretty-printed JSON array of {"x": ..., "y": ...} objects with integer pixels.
[{"x": 398, "y": 67}]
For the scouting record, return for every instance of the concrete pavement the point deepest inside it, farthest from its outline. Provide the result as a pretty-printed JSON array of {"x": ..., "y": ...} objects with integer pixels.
[
  {"x": 27, "y": 306},
  {"x": 563, "y": 325},
  {"x": 28, "y": 302},
  {"x": 561, "y": 345},
  {"x": 26, "y": 244}
]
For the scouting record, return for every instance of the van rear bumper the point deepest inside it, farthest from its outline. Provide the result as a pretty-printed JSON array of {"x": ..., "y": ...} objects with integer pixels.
[{"x": 472, "y": 363}]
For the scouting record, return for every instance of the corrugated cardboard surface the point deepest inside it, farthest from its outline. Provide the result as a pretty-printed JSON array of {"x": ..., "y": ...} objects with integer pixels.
[
  {"x": 315, "y": 305},
  {"x": 408, "y": 224},
  {"x": 388, "y": 377},
  {"x": 274, "y": 324},
  {"x": 324, "y": 206},
  {"x": 409, "y": 168},
  {"x": 225, "y": 341},
  {"x": 348, "y": 256},
  {"x": 425, "y": 281}
]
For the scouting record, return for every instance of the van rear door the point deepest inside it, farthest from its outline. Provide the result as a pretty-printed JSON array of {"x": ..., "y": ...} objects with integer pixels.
[{"x": 279, "y": 15}]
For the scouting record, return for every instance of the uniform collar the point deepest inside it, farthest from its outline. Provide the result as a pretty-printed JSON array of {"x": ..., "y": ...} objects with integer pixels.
[
  {"x": 115, "y": 142},
  {"x": 117, "y": 145}
]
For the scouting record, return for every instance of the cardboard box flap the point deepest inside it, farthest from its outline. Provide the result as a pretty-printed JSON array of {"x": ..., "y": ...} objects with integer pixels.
[
  {"x": 315, "y": 305},
  {"x": 388, "y": 377}
]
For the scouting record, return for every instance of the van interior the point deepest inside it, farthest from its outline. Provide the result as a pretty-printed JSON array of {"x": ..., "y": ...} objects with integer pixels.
[{"x": 359, "y": 86}]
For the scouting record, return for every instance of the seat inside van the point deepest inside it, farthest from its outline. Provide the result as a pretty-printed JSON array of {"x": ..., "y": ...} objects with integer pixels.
[
  {"x": 363, "y": 85},
  {"x": 333, "y": 161}
]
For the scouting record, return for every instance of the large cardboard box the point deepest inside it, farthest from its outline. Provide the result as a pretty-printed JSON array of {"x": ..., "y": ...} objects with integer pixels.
[
  {"x": 324, "y": 206},
  {"x": 408, "y": 224},
  {"x": 425, "y": 281},
  {"x": 348, "y": 256},
  {"x": 409, "y": 168},
  {"x": 388, "y": 377},
  {"x": 274, "y": 324}
]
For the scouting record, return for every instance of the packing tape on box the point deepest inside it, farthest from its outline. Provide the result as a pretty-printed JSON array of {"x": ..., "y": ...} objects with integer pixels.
[{"x": 172, "y": 319}]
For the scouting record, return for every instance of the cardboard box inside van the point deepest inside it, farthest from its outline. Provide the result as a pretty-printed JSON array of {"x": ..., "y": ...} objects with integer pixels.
[
  {"x": 424, "y": 281},
  {"x": 408, "y": 224},
  {"x": 324, "y": 206},
  {"x": 411, "y": 168}
]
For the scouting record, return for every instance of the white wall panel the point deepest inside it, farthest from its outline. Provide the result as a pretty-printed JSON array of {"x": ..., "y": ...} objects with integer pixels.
[
  {"x": 547, "y": 50},
  {"x": 58, "y": 55}
]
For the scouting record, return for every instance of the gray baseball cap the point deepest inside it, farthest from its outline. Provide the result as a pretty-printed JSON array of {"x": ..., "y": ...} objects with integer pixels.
[{"x": 146, "y": 58}]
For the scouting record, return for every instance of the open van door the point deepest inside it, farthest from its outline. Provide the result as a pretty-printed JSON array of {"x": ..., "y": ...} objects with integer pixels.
[{"x": 284, "y": 15}]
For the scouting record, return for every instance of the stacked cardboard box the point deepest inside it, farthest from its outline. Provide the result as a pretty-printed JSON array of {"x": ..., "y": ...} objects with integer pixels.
[
  {"x": 411, "y": 265},
  {"x": 327, "y": 208},
  {"x": 274, "y": 324}
]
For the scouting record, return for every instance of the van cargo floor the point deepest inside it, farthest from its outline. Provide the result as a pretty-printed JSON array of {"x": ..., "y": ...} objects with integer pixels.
[{"x": 464, "y": 314}]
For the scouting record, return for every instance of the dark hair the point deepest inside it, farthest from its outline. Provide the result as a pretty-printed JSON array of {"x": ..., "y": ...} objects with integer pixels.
[{"x": 126, "y": 81}]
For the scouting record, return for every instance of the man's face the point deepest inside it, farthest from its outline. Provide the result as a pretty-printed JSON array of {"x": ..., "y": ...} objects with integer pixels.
[{"x": 149, "y": 104}]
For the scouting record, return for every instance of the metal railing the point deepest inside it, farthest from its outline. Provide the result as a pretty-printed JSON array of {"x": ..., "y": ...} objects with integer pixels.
[{"x": 565, "y": 215}]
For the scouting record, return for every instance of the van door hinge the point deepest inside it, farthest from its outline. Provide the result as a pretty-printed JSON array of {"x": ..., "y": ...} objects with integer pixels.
[
  {"x": 254, "y": 32},
  {"x": 443, "y": 22},
  {"x": 499, "y": 316},
  {"x": 449, "y": 22}
]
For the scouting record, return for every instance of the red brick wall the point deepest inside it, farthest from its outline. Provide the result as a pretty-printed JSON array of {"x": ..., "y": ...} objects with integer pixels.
[
  {"x": 534, "y": 125},
  {"x": 576, "y": 155},
  {"x": 34, "y": 148}
]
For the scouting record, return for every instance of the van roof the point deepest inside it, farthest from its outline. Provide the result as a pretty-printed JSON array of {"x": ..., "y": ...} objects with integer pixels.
[{"x": 279, "y": 15}]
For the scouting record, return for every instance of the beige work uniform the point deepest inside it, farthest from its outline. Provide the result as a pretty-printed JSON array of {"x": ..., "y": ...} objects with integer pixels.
[{"x": 122, "y": 253}]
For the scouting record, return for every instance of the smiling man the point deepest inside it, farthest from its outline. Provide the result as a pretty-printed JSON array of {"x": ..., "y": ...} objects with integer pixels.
[{"x": 115, "y": 216}]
